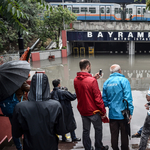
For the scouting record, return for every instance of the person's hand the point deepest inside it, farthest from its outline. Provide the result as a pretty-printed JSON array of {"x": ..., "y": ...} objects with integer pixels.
[
  {"x": 130, "y": 119},
  {"x": 146, "y": 106},
  {"x": 97, "y": 76},
  {"x": 104, "y": 116}
]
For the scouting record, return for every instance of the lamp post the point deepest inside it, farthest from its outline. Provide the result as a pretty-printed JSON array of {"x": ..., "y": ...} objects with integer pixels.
[{"x": 20, "y": 43}]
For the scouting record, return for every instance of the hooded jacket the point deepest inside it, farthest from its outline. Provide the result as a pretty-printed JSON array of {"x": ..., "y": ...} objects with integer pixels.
[
  {"x": 88, "y": 94},
  {"x": 115, "y": 89},
  {"x": 39, "y": 118},
  {"x": 65, "y": 98}
]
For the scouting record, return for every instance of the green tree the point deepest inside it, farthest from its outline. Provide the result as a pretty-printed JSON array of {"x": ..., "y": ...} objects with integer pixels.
[
  {"x": 19, "y": 15},
  {"x": 54, "y": 22},
  {"x": 28, "y": 26}
]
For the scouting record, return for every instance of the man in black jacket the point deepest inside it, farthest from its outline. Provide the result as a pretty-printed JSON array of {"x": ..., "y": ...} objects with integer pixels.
[
  {"x": 65, "y": 97},
  {"x": 39, "y": 118}
]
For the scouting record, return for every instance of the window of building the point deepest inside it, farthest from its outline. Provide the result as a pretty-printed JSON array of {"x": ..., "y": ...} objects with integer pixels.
[
  {"x": 116, "y": 11},
  {"x": 75, "y": 9},
  {"x": 92, "y": 10},
  {"x": 83, "y": 9},
  {"x": 130, "y": 10}
]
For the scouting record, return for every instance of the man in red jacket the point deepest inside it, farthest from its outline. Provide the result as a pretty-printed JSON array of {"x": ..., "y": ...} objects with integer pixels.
[{"x": 89, "y": 100}]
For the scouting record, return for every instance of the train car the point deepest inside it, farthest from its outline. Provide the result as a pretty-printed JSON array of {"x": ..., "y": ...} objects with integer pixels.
[
  {"x": 136, "y": 12},
  {"x": 94, "y": 11}
]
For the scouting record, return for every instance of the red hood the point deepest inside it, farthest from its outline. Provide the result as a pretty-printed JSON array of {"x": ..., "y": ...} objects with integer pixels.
[{"x": 83, "y": 75}]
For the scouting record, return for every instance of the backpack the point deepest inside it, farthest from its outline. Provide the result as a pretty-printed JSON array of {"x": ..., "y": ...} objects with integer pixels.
[{"x": 7, "y": 106}]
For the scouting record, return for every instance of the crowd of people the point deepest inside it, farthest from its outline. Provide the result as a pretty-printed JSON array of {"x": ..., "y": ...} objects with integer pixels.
[{"x": 45, "y": 115}]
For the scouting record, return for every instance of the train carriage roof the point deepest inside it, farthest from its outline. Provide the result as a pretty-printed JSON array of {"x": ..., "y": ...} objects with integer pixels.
[{"x": 104, "y": 1}]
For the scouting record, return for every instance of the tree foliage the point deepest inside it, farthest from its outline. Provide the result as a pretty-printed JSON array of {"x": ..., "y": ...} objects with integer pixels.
[
  {"x": 148, "y": 4},
  {"x": 18, "y": 15},
  {"x": 54, "y": 21}
]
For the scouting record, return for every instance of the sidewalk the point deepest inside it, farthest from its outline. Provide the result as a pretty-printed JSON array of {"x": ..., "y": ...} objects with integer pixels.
[{"x": 78, "y": 145}]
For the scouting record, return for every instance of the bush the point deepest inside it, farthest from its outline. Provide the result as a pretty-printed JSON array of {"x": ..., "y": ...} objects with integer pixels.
[{"x": 64, "y": 47}]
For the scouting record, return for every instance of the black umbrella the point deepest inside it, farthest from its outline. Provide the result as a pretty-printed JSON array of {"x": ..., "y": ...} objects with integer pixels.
[
  {"x": 126, "y": 114},
  {"x": 12, "y": 76}
]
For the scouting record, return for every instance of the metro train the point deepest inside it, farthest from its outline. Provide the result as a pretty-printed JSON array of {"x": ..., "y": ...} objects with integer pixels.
[{"x": 107, "y": 11}]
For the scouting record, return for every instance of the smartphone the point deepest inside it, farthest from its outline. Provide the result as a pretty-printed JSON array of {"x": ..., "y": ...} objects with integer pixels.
[{"x": 100, "y": 72}]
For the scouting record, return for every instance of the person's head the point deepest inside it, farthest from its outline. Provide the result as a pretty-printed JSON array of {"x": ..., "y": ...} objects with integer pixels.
[
  {"x": 115, "y": 68},
  {"x": 39, "y": 88},
  {"x": 85, "y": 65},
  {"x": 56, "y": 83},
  {"x": 148, "y": 95}
]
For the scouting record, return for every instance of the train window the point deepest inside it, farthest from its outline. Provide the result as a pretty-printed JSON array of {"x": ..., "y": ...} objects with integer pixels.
[
  {"x": 92, "y": 10},
  {"x": 126, "y": 10},
  {"x": 75, "y": 9},
  {"x": 139, "y": 11},
  {"x": 69, "y": 8},
  {"x": 107, "y": 10},
  {"x": 83, "y": 9},
  {"x": 130, "y": 10},
  {"x": 102, "y": 10},
  {"x": 119, "y": 10},
  {"x": 116, "y": 10},
  {"x": 144, "y": 10}
]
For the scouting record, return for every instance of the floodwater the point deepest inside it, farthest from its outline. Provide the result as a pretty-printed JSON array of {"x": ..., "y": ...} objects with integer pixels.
[{"x": 135, "y": 68}]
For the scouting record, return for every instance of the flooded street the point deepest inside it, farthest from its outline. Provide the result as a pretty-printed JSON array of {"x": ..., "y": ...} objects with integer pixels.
[{"x": 135, "y": 68}]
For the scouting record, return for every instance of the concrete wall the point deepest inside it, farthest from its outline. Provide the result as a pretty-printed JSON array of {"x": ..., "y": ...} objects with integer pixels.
[
  {"x": 113, "y": 26},
  {"x": 44, "y": 54}
]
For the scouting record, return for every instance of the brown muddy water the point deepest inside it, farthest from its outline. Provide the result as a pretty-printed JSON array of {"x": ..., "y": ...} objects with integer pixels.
[{"x": 135, "y": 68}]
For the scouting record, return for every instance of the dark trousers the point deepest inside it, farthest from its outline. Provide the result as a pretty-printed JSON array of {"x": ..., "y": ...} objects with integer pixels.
[
  {"x": 16, "y": 140},
  {"x": 145, "y": 133},
  {"x": 115, "y": 126},
  {"x": 73, "y": 136},
  {"x": 97, "y": 123}
]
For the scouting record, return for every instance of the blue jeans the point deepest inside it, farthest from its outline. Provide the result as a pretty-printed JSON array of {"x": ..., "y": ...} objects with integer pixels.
[
  {"x": 140, "y": 131},
  {"x": 73, "y": 136}
]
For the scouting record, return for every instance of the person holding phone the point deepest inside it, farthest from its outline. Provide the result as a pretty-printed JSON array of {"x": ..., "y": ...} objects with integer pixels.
[{"x": 89, "y": 100}]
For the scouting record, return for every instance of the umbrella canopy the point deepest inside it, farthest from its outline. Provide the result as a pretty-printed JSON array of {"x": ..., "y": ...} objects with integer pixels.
[
  {"x": 12, "y": 76},
  {"x": 126, "y": 114}
]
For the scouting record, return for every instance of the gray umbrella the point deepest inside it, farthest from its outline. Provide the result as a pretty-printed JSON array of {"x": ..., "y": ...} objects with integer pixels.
[{"x": 12, "y": 76}]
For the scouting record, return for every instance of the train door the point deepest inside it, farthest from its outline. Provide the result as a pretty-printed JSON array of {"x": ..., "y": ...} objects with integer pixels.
[
  {"x": 102, "y": 13},
  {"x": 143, "y": 12},
  {"x": 107, "y": 8},
  {"x": 85, "y": 13},
  {"x": 138, "y": 13}
]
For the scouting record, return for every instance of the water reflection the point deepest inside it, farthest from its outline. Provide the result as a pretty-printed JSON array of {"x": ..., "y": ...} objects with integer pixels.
[{"x": 135, "y": 68}]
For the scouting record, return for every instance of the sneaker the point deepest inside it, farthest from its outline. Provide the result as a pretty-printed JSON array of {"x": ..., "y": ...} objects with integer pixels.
[
  {"x": 136, "y": 135},
  {"x": 105, "y": 147},
  {"x": 77, "y": 139}
]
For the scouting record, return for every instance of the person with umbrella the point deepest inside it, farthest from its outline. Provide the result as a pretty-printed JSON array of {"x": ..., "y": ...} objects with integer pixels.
[
  {"x": 12, "y": 76},
  {"x": 39, "y": 118},
  {"x": 115, "y": 89}
]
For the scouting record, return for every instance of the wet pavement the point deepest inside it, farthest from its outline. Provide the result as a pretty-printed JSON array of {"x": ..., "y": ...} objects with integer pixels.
[{"x": 136, "y": 69}]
